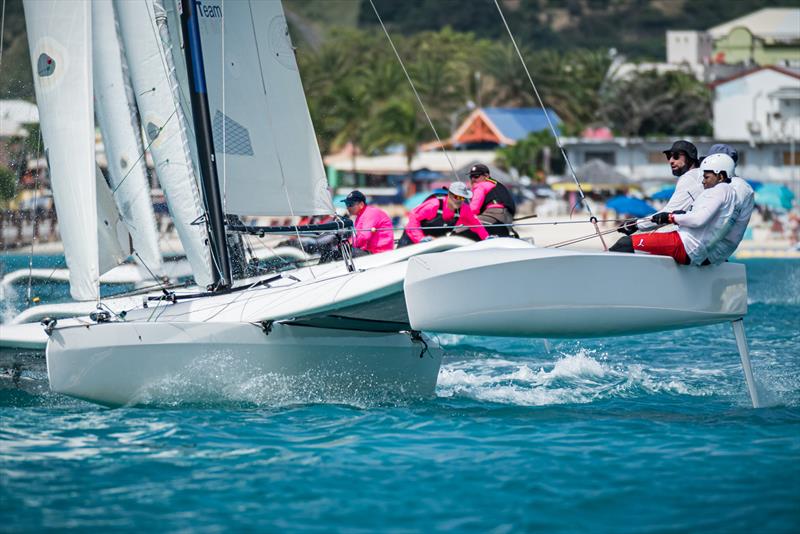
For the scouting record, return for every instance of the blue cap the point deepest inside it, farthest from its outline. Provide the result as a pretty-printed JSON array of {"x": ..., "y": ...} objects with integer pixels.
[{"x": 722, "y": 148}]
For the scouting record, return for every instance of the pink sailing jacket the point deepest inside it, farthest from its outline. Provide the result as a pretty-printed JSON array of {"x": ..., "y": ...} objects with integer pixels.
[
  {"x": 374, "y": 231},
  {"x": 429, "y": 210},
  {"x": 479, "y": 192}
]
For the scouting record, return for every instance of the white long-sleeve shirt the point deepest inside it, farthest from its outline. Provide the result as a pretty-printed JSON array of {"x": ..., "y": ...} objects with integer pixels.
[
  {"x": 724, "y": 244},
  {"x": 707, "y": 218},
  {"x": 687, "y": 190}
]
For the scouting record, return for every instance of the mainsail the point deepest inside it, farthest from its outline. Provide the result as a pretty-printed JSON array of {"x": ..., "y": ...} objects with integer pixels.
[
  {"x": 268, "y": 161},
  {"x": 60, "y": 41},
  {"x": 118, "y": 119},
  {"x": 154, "y": 83}
]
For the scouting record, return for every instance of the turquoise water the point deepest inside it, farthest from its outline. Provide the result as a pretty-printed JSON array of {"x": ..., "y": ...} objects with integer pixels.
[{"x": 645, "y": 434}]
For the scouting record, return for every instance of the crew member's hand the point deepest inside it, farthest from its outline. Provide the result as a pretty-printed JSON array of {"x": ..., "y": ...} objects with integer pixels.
[
  {"x": 660, "y": 218},
  {"x": 426, "y": 239},
  {"x": 628, "y": 227}
]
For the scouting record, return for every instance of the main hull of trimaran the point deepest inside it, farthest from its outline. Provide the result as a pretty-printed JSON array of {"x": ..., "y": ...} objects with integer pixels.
[
  {"x": 142, "y": 363},
  {"x": 316, "y": 330}
]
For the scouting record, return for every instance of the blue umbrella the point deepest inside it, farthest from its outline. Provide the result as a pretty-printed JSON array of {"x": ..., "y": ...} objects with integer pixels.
[
  {"x": 415, "y": 200},
  {"x": 634, "y": 207},
  {"x": 775, "y": 196},
  {"x": 755, "y": 184},
  {"x": 664, "y": 194}
]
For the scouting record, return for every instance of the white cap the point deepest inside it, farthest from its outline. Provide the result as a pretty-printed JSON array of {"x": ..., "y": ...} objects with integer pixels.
[{"x": 460, "y": 189}]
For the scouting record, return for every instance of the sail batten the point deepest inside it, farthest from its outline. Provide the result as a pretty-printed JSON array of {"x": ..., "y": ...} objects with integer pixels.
[{"x": 268, "y": 160}]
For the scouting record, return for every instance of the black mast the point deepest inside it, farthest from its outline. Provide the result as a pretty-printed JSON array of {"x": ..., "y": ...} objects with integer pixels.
[{"x": 215, "y": 218}]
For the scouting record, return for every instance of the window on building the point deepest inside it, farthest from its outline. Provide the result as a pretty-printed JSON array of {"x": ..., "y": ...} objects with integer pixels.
[
  {"x": 791, "y": 158},
  {"x": 607, "y": 157}
]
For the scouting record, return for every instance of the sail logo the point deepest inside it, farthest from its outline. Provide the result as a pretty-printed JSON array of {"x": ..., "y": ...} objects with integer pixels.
[{"x": 209, "y": 11}]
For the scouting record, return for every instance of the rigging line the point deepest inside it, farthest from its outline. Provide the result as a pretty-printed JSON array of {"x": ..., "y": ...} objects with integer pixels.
[
  {"x": 224, "y": 125},
  {"x": 541, "y": 104},
  {"x": 35, "y": 211},
  {"x": 413, "y": 88},
  {"x": 135, "y": 163},
  {"x": 157, "y": 280},
  {"x": 2, "y": 30},
  {"x": 579, "y": 239},
  {"x": 162, "y": 48},
  {"x": 274, "y": 137}
]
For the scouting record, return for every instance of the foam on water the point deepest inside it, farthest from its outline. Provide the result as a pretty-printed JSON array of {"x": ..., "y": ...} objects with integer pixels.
[{"x": 572, "y": 378}]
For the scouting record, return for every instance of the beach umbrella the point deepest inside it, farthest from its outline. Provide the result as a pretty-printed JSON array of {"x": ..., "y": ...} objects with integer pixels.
[
  {"x": 634, "y": 207},
  {"x": 775, "y": 196},
  {"x": 755, "y": 184},
  {"x": 415, "y": 200},
  {"x": 663, "y": 194}
]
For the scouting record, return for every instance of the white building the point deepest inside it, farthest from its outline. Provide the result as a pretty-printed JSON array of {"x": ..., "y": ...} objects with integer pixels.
[
  {"x": 689, "y": 47},
  {"x": 758, "y": 105},
  {"x": 643, "y": 160},
  {"x": 14, "y": 114}
]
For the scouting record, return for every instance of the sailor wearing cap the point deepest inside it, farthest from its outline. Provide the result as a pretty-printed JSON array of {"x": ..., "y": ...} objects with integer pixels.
[
  {"x": 437, "y": 216},
  {"x": 682, "y": 159},
  {"x": 373, "y": 227},
  {"x": 697, "y": 229},
  {"x": 491, "y": 201}
]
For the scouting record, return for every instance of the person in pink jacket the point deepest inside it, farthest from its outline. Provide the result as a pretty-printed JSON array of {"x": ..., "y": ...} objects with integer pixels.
[
  {"x": 438, "y": 216},
  {"x": 491, "y": 202},
  {"x": 373, "y": 227}
]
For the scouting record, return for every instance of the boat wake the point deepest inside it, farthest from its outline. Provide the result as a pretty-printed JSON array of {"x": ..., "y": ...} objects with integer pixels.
[{"x": 579, "y": 378}]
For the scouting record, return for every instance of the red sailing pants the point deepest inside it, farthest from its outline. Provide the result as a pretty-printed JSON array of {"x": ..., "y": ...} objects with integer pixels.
[{"x": 662, "y": 244}]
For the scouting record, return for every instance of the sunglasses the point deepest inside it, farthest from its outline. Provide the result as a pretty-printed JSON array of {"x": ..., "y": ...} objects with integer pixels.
[
  {"x": 474, "y": 176},
  {"x": 674, "y": 155},
  {"x": 457, "y": 197}
]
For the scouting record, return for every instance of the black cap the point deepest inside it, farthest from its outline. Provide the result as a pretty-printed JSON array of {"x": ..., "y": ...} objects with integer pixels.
[
  {"x": 478, "y": 169},
  {"x": 683, "y": 146},
  {"x": 353, "y": 197}
]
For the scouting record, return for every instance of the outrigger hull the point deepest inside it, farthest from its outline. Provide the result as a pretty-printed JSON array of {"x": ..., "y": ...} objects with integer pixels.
[
  {"x": 163, "y": 363},
  {"x": 495, "y": 290}
]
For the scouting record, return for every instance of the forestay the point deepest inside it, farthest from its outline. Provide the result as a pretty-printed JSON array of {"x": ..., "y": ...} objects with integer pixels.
[
  {"x": 118, "y": 119},
  {"x": 267, "y": 156},
  {"x": 60, "y": 42}
]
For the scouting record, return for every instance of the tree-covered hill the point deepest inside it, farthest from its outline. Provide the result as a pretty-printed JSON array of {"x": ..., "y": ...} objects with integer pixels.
[{"x": 634, "y": 27}]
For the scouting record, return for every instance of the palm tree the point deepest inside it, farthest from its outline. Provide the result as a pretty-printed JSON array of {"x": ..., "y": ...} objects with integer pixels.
[{"x": 398, "y": 121}]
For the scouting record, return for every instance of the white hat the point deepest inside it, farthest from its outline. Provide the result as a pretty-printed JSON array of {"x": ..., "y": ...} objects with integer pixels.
[{"x": 460, "y": 189}]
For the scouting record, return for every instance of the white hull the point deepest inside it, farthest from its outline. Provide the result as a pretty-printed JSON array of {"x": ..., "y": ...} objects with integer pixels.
[
  {"x": 498, "y": 289},
  {"x": 154, "y": 363},
  {"x": 334, "y": 335}
]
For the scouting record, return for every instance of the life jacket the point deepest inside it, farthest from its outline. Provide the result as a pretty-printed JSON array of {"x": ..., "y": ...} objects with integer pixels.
[
  {"x": 439, "y": 226},
  {"x": 499, "y": 194}
]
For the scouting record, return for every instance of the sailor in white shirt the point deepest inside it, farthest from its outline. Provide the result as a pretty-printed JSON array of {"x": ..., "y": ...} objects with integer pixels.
[
  {"x": 713, "y": 210},
  {"x": 725, "y": 242},
  {"x": 708, "y": 217},
  {"x": 682, "y": 159}
]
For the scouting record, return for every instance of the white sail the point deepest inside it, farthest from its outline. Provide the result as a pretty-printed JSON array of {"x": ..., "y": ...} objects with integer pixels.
[
  {"x": 267, "y": 156},
  {"x": 118, "y": 119},
  {"x": 113, "y": 237},
  {"x": 59, "y": 38},
  {"x": 165, "y": 131}
]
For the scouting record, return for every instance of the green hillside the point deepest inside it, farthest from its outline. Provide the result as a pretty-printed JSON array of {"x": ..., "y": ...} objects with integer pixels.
[{"x": 633, "y": 27}]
